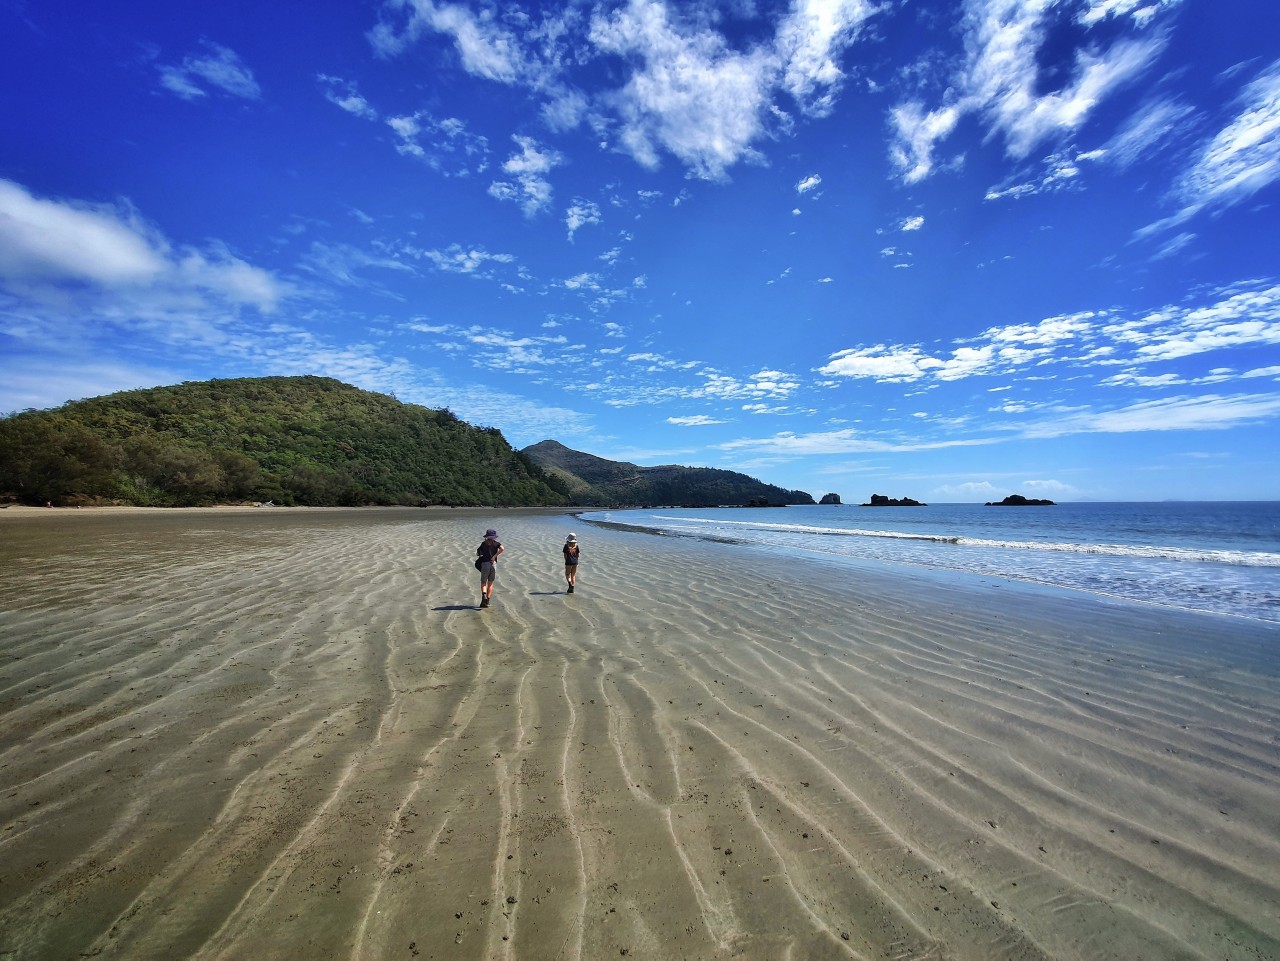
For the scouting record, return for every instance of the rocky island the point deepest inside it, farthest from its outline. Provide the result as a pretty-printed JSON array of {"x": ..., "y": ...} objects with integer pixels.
[
  {"x": 879, "y": 500},
  {"x": 1017, "y": 500}
]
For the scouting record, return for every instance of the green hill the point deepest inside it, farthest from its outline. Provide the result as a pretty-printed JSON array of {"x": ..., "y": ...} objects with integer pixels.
[
  {"x": 291, "y": 440},
  {"x": 592, "y": 480}
]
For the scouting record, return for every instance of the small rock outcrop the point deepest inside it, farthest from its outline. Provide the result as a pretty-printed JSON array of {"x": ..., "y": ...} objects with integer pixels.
[
  {"x": 1017, "y": 500},
  {"x": 880, "y": 500},
  {"x": 830, "y": 499}
]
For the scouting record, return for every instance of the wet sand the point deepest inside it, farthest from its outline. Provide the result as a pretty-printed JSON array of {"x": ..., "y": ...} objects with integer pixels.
[{"x": 259, "y": 734}]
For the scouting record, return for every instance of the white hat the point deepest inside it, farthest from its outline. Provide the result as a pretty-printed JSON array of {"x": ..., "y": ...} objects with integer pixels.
[{"x": 572, "y": 538}]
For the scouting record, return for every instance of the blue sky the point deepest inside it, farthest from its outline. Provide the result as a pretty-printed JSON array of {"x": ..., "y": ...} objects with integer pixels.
[{"x": 942, "y": 250}]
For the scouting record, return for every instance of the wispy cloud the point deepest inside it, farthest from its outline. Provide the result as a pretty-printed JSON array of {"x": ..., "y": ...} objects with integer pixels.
[
  {"x": 447, "y": 145},
  {"x": 1059, "y": 171},
  {"x": 1154, "y": 123},
  {"x": 1208, "y": 412},
  {"x": 485, "y": 47},
  {"x": 1240, "y": 318},
  {"x": 457, "y": 259},
  {"x": 847, "y": 440},
  {"x": 343, "y": 93},
  {"x": 1244, "y": 156},
  {"x": 697, "y": 420},
  {"x": 216, "y": 69},
  {"x": 1009, "y": 48},
  {"x": 349, "y": 265}
]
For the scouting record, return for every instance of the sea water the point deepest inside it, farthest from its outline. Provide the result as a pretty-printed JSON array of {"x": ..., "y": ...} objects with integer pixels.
[{"x": 1218, "y": 557}]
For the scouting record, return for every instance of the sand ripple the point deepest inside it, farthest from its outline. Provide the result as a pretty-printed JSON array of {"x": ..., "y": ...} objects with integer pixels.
[{"x": 282, "y": 735}]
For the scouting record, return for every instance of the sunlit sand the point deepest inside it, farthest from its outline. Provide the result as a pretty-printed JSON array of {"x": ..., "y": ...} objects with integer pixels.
[{"x": 293, "y": 734}]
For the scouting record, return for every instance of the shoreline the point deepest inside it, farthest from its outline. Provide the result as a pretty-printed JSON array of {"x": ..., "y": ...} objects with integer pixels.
[
  {"x": 27, "y": 510},
  {"x": 224, "y": 739},
  {"x": 1211, "y": 578}
]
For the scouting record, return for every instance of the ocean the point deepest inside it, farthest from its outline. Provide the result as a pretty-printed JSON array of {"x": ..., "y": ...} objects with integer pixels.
[{"x": 1219, "y": 557}]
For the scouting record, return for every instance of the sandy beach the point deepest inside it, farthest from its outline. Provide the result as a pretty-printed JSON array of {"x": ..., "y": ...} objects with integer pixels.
[{"x": 261, "y": 734}]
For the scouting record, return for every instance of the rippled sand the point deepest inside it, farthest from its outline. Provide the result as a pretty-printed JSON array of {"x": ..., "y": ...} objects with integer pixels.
[{"x": 292, "y": 734}]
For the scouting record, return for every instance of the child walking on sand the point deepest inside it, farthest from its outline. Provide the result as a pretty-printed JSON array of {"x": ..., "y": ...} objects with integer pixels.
[
  {"x": 487, "y": 561},
  {"x": 571, "y": 561}
]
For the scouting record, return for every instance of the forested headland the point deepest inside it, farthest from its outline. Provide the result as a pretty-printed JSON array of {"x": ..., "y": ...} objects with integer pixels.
[
  {"x": 317, "y": 442},
  {"x": 592, "y": 480},
  {"x": 310, "y": 441}
]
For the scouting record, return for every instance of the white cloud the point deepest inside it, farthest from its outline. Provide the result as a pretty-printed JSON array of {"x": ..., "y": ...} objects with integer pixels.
[
  {"x": 343, "y": 93},
  {"x": 912, "y": 223},
  {"x": 685, "y": 89},
  {"x": 1220, "y": 337},
  {"x": 483, "y": 45},
  {"x": 1060, "y": 171},
  {"x": 1262, "y": 372},
  {"x": 693, "y": 95},
  {"x": 50, "y": 249},
  {"x": 969, "y": 490},
  {"x": 1051, "y": 330},
  {"x": 809, "y": 41},
  {"x": 581, "y": 214},
  {"x": 218, "y": 68},
  {"x": 1140, "y": 10},
  {"x": 766, "y": 383},
  {"x": 808, "y": 183},
  {"x": 916, "y": 131},
  {"x": 585, "y": 280},
  {"x": 698, "y": 420},
  {"x": 1140, "y": 380},
  {"x": 1173, "y": 245},
  {"x": 1248, "y": 317},
  {"x": 890, "y": 364},
  {"x": 444, "y": 145},
  {"x": 531, "y": 190},
  {"x": 1243, "y": 318},
  {"x": 54, "y": 240}
]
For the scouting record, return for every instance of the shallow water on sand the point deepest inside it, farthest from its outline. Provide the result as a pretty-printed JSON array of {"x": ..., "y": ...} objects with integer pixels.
[{"x": 1221, "y": 557}]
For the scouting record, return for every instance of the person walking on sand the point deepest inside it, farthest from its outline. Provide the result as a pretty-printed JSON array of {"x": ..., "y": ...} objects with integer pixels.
[
  {"x": 487, "y": 556},
  {"x": 571, "y": 561}
]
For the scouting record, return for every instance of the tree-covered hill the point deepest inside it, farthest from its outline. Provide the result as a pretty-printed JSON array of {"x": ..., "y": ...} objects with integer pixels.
[
  {"x": 290, "y": 440},
  {"x": 592, "y": 480}
]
